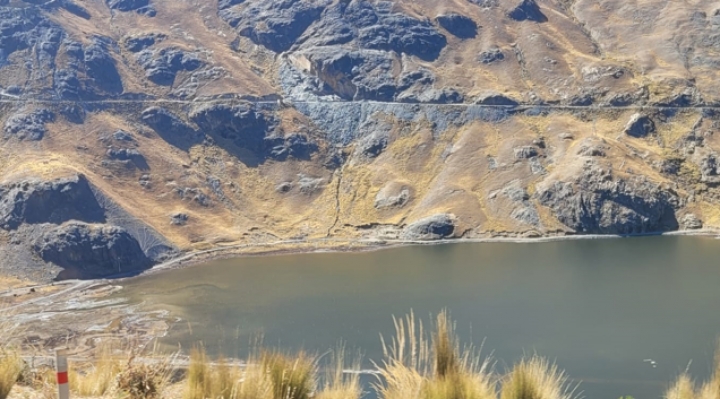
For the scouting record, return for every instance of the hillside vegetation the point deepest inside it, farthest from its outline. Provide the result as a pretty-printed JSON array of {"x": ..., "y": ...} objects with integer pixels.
[{"x": 133, "y": 130}]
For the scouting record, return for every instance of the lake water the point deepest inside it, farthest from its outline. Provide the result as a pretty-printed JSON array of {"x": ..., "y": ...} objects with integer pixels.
[{"x": 597, "y": 307}]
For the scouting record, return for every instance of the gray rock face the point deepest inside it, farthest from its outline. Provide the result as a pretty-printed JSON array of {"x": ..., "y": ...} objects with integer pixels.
[
  {"x": 639, "y": 126},
  {"x": 54, "y": 202},
  {"x": 162, "y": 66},
  {"x": 24, "y": 28},
  {"x": 431, "y": 228},
  {"x": 526, "y": 152},
  {"x": 246, "y": 126},
  {"x": 384, "y": 199},
  {"x": 491, "y": 55},
  {"x": 278, "y": 25},
  {"x": 142, "y": 7},
  {"x": 459, "y": 25},
  {"x": 170, "y": 127},
  {"x": 597, "y": 203},
  {"x": 274, "y": 24},
  {"x": 527, "y": 10},
  {"x": 100, "y": 67},
  {"x": 496, "y": 99},
  {"x": 28, "y": 126},
  {"x": 91, "y": 251},
  {"x": 141, "y": 42}
]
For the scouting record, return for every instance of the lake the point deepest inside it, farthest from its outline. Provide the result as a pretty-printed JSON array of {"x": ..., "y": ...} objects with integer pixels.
[{"x": 599, "y": 308}]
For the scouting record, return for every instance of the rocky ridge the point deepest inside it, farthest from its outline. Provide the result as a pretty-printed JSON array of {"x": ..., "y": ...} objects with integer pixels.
[{"x": 312, "y": 119}]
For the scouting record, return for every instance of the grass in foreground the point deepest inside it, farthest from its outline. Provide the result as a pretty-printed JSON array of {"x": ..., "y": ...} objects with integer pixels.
[
  {"x": 416, "y": 366},
  {"x": 11, "y": 365},
  {"x": 684, "y": 387},
  {"x": 535, "y": 378},
  {"x": 98, "y": 377}
]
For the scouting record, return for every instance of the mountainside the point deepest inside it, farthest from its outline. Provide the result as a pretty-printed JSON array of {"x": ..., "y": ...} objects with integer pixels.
[{"x": 134, "y": 130}]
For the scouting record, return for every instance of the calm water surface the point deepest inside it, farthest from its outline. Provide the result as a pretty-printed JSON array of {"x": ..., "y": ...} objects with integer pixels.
[{"x": 598, "y": 307}]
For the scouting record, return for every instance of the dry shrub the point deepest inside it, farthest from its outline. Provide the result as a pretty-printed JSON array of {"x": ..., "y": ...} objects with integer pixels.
[
  {"x": 435, "y": 368},
  {"x": 536, "y": 378},
  {"x": 146, "y": 377}
]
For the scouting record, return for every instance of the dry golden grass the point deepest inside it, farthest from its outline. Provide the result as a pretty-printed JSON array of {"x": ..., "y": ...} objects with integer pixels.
[
  {"x": 11, "y": 364},
  {"x": 210, "y": 381},
  {"x": 98, "y": 377},
  {"x": 536, "y": 378},
  {"x": 292, "y": 377},
  {"x": 684, "y": 388},
  {"x": 268, "y": 375},
  {"x": 434, "y": 368},
  {"x": 337, "y": 384}
]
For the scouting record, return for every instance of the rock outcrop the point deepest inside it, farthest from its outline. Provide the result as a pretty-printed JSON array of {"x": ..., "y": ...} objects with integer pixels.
[
  {"x": 162, "y": 66},
  {"x": 639, "y": 125},
  {"x": 57, "y": 201},
  {"x": 599, "y": 203},
  {"x": 28, "y": 125},
  {"x": 91, "y": 251},
  {"x": 459, "y": 25},
  {"x": 431, "y": 228},
  {"x": 527, "y": 10}
]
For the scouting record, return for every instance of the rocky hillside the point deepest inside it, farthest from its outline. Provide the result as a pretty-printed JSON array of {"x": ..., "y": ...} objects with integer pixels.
[{"x": 134, "y": 130}]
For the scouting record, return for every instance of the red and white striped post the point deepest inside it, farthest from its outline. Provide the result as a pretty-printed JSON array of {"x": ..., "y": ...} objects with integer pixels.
[{"x": 61, "y": 364}]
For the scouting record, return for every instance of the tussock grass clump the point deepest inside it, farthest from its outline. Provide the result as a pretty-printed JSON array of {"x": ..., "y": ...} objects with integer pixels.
[
  {"x": 11, "y": 366},
  {"x": 292, "y": 377},
  {"x": 268, "y": 375},
  {"x": 337, "y": 384},
  {"x": 418, "y": 367},
  {"x": 536, "y": 378},
  {"x": 684, "y": 388},
  {"x": 97, "y": 377},
  {"x": 219, "y": 381}
]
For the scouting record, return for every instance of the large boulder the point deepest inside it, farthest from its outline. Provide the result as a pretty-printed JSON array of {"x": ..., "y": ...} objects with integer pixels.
[
  {"x": 431, "y": 228},
  {"x": 458, "y": 25},
  {"x": 91, "y": 251},
  {"x": 527, "y": 10},
  {"x": 599, "y": 203},
  {"x": 639, "y": 125},
  {"x": 55, "y": 202}
]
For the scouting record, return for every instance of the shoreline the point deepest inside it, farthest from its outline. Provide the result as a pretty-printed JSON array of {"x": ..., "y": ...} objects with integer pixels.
[{"x": 192, "y": 259}]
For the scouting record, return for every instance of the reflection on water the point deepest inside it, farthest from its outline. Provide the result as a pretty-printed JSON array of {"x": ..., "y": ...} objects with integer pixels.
[{"x": 598, "y": 307}]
